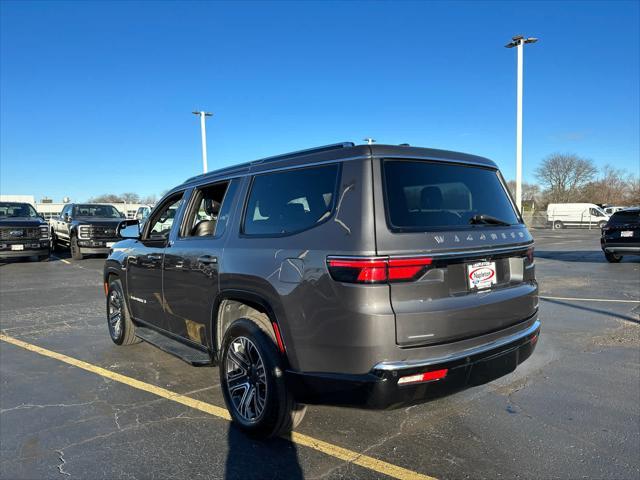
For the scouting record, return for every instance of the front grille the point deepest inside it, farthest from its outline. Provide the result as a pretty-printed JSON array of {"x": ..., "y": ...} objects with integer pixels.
[
  {"x": 97, "y": 231},
  {"x": 19, "y": 233}
]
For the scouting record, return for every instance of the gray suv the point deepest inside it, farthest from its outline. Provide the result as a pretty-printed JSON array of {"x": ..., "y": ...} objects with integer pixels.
[{"x": 371, "y": 276}]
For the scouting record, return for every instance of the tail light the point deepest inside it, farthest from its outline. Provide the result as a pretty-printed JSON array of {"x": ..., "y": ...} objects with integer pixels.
[{"x": 377, "y": 269}]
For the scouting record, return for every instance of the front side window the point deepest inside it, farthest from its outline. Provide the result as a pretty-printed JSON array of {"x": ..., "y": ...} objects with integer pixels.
[
  {"x": 162, "y": 221},
  {"x": 101, "y": 211},
  {"x": 9, "y": 209},
  {"x": 287, "y": 202},
  {"x": 424, "y": 195}
]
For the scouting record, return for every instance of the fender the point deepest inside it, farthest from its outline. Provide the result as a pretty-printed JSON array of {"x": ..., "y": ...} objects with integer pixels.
[{"x": 254, "y": 301}]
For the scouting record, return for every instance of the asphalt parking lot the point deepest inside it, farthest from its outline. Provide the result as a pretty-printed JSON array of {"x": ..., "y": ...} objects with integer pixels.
[{"x": 72, "y": 404}]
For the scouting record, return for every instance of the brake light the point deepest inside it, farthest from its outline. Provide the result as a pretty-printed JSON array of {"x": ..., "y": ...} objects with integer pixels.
[
  {"x": 377, "y": 269},
  {"x": 424, "y": 377}
]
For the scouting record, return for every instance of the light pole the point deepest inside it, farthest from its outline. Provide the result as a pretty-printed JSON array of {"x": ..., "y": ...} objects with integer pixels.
[
  {"x": 370, "y": 141},
  {"x": 203, "y": 132},
  {"x": 519, "y": 42}
]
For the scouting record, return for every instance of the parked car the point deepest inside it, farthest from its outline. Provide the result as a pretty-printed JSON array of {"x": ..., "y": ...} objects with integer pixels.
[
  {"x": 370, "y": 276},
  {"x": 23, "y": 232},
  {"x": 86, "y": 228},
  {"x": 563, "y": 215},
  {"x": 621, "y": 235}
]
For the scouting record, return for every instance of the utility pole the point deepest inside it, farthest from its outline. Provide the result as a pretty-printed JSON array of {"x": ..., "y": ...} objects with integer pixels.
[
  {"x": 203, "y": 132},
  {"x": 519, "y": 41}
]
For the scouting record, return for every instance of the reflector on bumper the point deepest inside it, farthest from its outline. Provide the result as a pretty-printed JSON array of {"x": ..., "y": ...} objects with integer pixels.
[{"x": 423, "y": 377}]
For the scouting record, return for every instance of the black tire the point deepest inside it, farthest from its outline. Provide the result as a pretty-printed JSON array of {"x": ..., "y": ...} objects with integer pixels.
[
  {"x": 53, "y": 243},
  {"x": 612, "y": 257},
  {"x": 557, "y": 225},
  {"x": 280, "y": 413},
  {"x": 123, "y": 333},
  {"x": 76, "y": 253}
]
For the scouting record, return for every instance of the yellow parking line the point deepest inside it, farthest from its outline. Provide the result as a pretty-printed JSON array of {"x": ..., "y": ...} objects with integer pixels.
[
  {"x": 62, "y": 260},
  {"x": 544, "y": 297},
  {"x": 365, "y": 461}
]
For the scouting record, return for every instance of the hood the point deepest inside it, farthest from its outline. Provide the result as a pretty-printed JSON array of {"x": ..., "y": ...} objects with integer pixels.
[{"x": 22, "y": 222}]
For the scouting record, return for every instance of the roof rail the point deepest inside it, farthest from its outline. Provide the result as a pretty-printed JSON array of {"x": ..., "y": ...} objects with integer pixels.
[{"x": 308, "y": 151}]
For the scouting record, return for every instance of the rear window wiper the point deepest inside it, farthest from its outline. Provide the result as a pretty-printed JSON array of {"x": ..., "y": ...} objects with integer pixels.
[{"x": 487, "y": 219}]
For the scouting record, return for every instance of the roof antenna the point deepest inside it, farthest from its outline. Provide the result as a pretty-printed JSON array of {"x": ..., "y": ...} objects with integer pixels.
[{"x": 370, "y": 141}]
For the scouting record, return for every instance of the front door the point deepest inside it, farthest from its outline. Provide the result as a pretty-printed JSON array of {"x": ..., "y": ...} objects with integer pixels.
[
  {"x": 144, "y": 264},
  {"x": 192, "y": 261}
]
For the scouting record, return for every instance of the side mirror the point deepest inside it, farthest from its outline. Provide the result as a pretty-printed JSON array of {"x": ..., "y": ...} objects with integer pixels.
[
  {"x": 122, "y": 215},
  {"x": 66, "y": 217},
  {"x": 129, "y": 229}
]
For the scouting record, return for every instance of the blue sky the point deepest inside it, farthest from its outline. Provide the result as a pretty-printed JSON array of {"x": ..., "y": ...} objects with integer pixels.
[{"x": 95, "y": 97}]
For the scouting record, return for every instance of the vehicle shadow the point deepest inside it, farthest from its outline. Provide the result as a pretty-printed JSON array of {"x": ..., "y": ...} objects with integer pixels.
[
  {"x": 250, "y": 458},
  {"x": 581, "y": 256},
  {"x": 621, "y": 316}
]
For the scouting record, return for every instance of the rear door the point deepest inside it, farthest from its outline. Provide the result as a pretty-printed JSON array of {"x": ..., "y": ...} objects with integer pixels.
[
  {"x": 191, "y": 263},
  {"x": 477, "y": 274}
]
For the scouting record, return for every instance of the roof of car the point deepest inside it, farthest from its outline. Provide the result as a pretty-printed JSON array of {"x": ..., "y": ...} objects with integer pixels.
[{"x": 342, "y": 151}]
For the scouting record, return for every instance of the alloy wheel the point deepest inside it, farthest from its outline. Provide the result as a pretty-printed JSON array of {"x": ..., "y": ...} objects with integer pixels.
[
  {"x": 246, "y": 379},
  {"x": 115, "y": 313}
]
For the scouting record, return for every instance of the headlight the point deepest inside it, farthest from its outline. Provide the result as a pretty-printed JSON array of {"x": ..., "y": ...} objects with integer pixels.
[
  {"x": 44, "y": 232},
  {"x": 84, "y": 231}
]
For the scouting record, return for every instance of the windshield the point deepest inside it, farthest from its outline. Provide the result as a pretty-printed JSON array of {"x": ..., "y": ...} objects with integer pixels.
[
  {"x": 422, "y": 195},
  {"x": 13, "y": 210},
  {"x": 104, "y": 211}
]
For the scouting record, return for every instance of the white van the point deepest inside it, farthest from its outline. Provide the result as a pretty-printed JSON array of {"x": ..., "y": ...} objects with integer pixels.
[{"x": 563, "y": 215}]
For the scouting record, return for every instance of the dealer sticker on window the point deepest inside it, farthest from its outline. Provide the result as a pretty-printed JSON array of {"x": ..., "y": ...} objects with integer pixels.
[{"x": 481, "y": 275}]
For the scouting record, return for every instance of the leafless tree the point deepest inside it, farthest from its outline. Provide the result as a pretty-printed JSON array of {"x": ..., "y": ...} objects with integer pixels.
[
  {"x": 530, "y": 191},
  {"x": 564, "y": 175},
  {"x": 129, "y": 197}
]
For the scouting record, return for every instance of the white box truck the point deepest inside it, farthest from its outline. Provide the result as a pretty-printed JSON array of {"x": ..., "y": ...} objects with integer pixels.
[{"x": 581, "y": 215}]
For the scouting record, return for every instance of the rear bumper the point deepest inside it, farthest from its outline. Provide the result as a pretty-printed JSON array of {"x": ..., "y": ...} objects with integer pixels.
[
  {"x": 633, "y": 248},
  {"x": 379, "y": 388}
]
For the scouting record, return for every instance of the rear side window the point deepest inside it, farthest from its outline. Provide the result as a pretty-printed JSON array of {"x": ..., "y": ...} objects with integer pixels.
[
  {"x": 421, "y": 196},
  {"x": 287, "y": 202}
]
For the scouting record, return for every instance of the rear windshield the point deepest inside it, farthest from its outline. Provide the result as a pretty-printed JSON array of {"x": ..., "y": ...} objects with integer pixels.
[
  {"x": 623, "y": 217},
  {"x": 423, "y": 195}
]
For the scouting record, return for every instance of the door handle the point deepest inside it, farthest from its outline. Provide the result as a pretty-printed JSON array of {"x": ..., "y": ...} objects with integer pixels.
[
  {"x": 207, "y": 259},
  {"x": 154, "y": 256}
]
